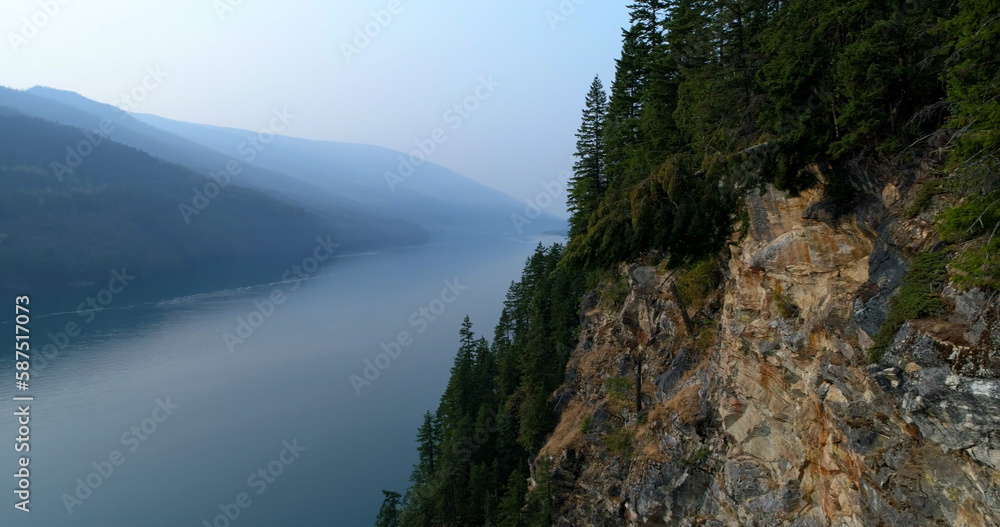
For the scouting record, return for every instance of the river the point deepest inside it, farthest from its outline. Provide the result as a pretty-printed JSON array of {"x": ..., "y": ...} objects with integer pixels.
[{"x": 162, "y": 411}]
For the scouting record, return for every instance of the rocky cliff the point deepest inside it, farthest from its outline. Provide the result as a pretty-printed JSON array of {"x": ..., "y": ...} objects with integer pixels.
[{"x": 764, "y": 408}]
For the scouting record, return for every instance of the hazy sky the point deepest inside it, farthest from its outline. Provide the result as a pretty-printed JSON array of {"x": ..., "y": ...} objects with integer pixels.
[{"x": 231, "y": 62}]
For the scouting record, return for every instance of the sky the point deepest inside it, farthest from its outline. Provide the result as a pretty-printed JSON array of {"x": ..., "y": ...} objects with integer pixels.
[{"x": 383, "y": 72}]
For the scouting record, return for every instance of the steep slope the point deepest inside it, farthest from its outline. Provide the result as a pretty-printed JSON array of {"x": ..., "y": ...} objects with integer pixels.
[
  {"x": 346, "y": 182},
  {"x": 770, "y": 413},
  {"x": 121, "y": 207},
  {"x": 377, "y": 228},
  {"x": 422, "y": 192}
]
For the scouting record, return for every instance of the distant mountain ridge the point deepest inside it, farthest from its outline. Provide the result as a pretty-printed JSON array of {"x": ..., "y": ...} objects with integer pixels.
[
  {"x": 106, "y": 187},
  {"x": 72, "y": 109},
  {"x": 300, "y": 170},
  {"x": 420, "y": 191},
  {"x": 118, "y": 209}
]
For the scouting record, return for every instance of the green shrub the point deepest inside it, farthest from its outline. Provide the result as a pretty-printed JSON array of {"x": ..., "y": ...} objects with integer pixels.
[
  {"x": 975, "y": 216},
  {"x": 585, "y": 425},
  {"x": 786, "y": 309},
  {"x": 696, "y": 281},
  {"x": 917, "y": 297},
  {"x": 976, "y": 263},
  {"x": 699, "y": 456},
  {"x": 620, "y": 389},
  {"x": 613, "y": 292},
  {"x": 707, "y": 335},
  {"x": 599, "y": 278},
  {"x": 925, "y": 194},
  {"x": 978, "y": 266},
  {"x": 619, "y": 441}
]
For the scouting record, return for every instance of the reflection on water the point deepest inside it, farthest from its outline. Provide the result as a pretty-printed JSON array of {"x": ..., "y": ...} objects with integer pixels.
[{"x": 103, "y": 445}]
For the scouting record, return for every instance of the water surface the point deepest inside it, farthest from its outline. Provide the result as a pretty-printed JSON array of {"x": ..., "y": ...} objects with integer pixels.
[{"x": 233, "y": 412}]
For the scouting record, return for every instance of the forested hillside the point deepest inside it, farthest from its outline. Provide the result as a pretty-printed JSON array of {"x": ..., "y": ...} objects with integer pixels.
[
  {"x": 495, "y": 411},
  {"x": 121, "y": 208},
  {"x": 713, "y": 101}
]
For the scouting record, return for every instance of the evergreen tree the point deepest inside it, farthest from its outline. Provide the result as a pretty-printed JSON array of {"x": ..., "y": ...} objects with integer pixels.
[
  {"x": 973, "y": 81},
  {"x": 711, "y": 100},
  {"x": 388, "y": 514},
  {"x": 427, "y": 445},
  {"x": 622, "y": 132},
  {"x": 657, "y": 124},
  {"x": 589, "y": 181},
  {"x": 648, "y": 16},
  {"x": 459, "y": 397},
  {"x": 495, "y": 410}
]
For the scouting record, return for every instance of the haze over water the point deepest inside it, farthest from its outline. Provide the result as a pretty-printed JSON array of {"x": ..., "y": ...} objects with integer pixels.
[{"x": 288, "y": 383}]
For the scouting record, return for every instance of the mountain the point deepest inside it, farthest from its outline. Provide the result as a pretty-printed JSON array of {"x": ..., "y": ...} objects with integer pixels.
[
  {"x": 424, "y": 193},
  {"x": 108, "y": 187},
  {"x": 748, "y": 388},
  {"x": 72, "y": 109},
  {"x": 120, "y": 208},
  {"x": 788, "y": 218},
  {"x": 314, "y": 174},
  {"x": 774, "y": 408}
]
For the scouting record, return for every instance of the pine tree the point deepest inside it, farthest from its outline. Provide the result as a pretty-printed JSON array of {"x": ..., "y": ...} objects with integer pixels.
[
  {"x": 388, "y": 514},
  {"x": 973, "y": 77},
  {"x": 484, "y": 375},
  {"x": 622, "y": 134},
  {"x": 589, "y": 181},
  {"x": 659, "y": 102},
  {"x": 458, "y": 399},
  {"x": 648, "y": 17},
  {"x": 427, "y": 445},
  {"x": 496, "y": 403},
  {"x": 642, "y": 96}
]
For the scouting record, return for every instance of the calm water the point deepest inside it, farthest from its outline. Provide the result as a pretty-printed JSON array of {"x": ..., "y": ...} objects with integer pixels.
[{"x": 233, "y": 414}]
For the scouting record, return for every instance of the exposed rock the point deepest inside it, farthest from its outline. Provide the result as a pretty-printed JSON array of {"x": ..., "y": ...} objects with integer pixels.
[
  {"x": 643, "y": 279},
  {"x": 952, "y": 404},
  {"x": 778, "y": 419}
]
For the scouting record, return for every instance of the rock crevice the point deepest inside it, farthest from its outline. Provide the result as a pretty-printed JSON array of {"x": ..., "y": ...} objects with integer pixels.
[{"x": 769, "y": 414}]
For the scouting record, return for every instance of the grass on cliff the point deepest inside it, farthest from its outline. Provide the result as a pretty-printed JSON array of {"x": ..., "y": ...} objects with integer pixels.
[
  {"x": 619, "y": 441},
  {"x": 925, "y": 196},
  {"x": 621, "y": 391},
  {"x": 696, "y": 281},
  {"x": 976, "y": 224},
  {"x": 612, "y": 289},
  {"x": 786, "y": 309},
  {"x": 917, "y": 297}
]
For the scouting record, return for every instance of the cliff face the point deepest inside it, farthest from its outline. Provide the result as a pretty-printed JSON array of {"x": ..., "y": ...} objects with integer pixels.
[{"x": 770, "y": 412}]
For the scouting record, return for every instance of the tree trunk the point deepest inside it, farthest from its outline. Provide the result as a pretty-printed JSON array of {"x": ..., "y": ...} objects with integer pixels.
[
  {"x": 688, "y": 325},
  {"x": 638, "y": 385}
]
